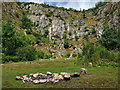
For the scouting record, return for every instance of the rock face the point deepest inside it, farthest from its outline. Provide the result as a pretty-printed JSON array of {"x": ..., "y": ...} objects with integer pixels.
[{"x": 60, "y": 22}]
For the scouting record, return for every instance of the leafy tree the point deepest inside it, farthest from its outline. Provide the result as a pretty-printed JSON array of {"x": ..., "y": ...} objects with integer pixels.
[
  {"x": 109, "y": 38},
  {"x": 84, "y": 16},
  {"x": 26, "y": 24},
  {"x": 8, "y": 39}
]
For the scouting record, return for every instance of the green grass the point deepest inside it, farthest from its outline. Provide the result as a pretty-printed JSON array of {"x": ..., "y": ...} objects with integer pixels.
[{"x": 108, "y": 76}]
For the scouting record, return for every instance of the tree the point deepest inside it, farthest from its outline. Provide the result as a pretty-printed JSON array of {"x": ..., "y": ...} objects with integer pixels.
[
  {"x": 26, "y": 24},
  {"x": 109, "y": 38},
  {"x": 84, "y": 16},
  {"x": 8, "y": 38}
]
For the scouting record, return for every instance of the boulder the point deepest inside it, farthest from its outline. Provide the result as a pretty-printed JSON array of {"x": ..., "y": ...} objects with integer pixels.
[{"x": 83, "y": 71}]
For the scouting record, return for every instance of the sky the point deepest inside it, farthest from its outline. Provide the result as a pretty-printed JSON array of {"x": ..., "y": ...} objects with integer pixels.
[{"x": 75, "y": 4}]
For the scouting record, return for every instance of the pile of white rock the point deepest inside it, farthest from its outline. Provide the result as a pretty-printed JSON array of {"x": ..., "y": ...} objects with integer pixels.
[{"x": 40, "y": 78}]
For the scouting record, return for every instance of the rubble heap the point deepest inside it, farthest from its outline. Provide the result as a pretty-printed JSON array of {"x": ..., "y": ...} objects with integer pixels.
[{"x": 40, "y": 78}]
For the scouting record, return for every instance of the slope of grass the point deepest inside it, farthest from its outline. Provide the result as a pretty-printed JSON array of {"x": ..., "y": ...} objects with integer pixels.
[{"x": 97, "y": 77}]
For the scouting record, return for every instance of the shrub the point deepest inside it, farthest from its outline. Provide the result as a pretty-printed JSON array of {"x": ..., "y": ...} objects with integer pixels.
[
  {"x": 93, "y": 31},
  {"x": 10, "y": 58},
  {"x": 26, "y": 23},
  {"x": 66, "y": 43},
  {"x": 70, "y": 33},
  {"x": 68, "y": 55},
  {"x": 76, "y": 37},
  {"x": 40, "y": 54},
  {"x": 27, "y": 53},
  {"x": 74, "y": 55},
  {"x": 17, "y": 15},
  {"x": 46, "y": 33}
]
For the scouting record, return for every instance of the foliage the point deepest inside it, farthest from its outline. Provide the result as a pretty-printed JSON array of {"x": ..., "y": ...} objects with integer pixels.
[
  {"x": 66, "y": 43},
  {"x": 46, "y": 33},
  {"x": 17, "y": 15},
  {"x": 84, "y": 16},
  {"x": 40, "y": 54},
  {"x": 76, "y": 37},
  {"x": 107, "y": 12},
  {"x": 98, "y": 56},
  {"x": 70, "y": 33},
  {"x": 10, "y": 58},
  {"x": 93, "y": 31},
  {"x": 8, "y": 38},
  {"x": 27, "y": 53},
  {"x": 109, "y": 38},
  {"x": 74, "y": 55},
  {"x": 26, "y": 24},
  {"x": 64, "y": 35}
]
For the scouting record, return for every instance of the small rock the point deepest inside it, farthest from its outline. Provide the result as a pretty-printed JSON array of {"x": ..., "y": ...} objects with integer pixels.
[
  {"x": 35, "y": 75},
  {"x": 83, "y": 71},
  {"x": 61, "y": 77},
  {"x": 63, "y": 73},
  {"x": 25, "y": 76},
  {"x": 76, "y": 74},
  {"x": 67, "y": 76},
  {"x": 90, "y": 64},
  {"x": 56, "y": 77},
  {"x": 55, "y": 74},
  {"x": 36, "y": 81},
  {"x": 43, "y": 80},
  {"x": 49, "y": 73},
  {"x": 18, "y": 78}
]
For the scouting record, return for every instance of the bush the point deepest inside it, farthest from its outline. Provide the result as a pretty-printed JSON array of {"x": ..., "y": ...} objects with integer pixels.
[
  {"x": 26, "y": 23},
  {"x": 76, "y": 37},
  {"x": 66, "y": 43},
  {"x": 74, "y": 55},
  {"x": 68, "y": 55},
  {"x": 10, "y": 58},
  {"x": 40, "y": 54},
  {"x": 93, "y": 31},
  {"x": 27, "y": 53},
  {"x": 46, "y": 33},
  {"x": 70, "y": 33}
]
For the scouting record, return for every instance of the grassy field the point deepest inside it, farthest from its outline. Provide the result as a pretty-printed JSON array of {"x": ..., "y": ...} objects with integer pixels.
[{"x": 97, "y": 77}]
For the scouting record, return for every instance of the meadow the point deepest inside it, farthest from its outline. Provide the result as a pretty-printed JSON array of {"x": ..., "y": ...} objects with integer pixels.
[{"x": 96, "y": 77}]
